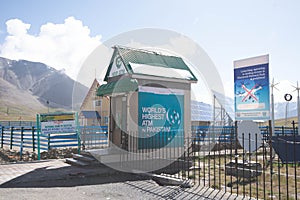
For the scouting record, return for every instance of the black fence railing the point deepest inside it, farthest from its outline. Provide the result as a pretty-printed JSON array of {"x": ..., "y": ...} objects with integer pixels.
[
  {"x": 271, "y": 171},
  {"x": 211, "y": 157},
  {"x": 18, "y": 137}
]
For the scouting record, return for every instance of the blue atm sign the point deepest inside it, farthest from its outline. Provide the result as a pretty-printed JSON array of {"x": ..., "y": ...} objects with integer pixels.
[{"x": 160, "y": 119}]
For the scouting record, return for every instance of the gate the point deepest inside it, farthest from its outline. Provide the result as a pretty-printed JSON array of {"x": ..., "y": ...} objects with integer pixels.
[{"x": 94, "y": 137}]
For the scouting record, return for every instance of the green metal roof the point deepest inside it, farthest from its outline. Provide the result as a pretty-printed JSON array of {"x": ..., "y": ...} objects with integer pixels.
[
  {"x": 138, "y": 56},
  {"x": 151, "y": 58},
  {"x": 123, "y": 85}
]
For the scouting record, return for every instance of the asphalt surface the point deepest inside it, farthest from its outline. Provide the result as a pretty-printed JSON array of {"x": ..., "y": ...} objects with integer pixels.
[{"x": 55, "y": 179}]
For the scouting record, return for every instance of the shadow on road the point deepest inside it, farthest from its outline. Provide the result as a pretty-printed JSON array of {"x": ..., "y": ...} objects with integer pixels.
[{"x": 70, "y": 176}]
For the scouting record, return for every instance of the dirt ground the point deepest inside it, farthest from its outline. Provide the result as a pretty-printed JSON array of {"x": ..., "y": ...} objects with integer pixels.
[{"x": 12, "y": 155}]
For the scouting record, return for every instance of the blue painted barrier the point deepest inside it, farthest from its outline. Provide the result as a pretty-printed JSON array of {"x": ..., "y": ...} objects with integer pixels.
[{"x": 25, "y": 137}]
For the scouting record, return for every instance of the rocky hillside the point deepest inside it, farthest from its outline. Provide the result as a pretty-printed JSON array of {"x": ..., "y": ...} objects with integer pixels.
[{"x": 25, "y": 87}]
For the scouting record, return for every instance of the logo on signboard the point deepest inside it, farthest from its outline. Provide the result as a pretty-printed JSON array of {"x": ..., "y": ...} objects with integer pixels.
[
  {"x": 118, "y": 67},
  {"x": 173, "y": 117},
  {"x": 118, "y": 62}
]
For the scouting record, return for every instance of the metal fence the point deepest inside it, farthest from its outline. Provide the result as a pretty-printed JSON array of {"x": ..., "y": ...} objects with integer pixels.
[
  {"x": 225, "y": 134},
  {"x": 20, "y": 137},
  {"x": 93, "y": 137},
  {"x": 25, "y": 137},
  {"x": 272, "y": 171},
  {"x": 213, "y": 157}
]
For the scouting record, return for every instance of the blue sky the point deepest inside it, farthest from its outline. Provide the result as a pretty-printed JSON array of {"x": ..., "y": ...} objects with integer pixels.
[{"x": 226, "y": 30}]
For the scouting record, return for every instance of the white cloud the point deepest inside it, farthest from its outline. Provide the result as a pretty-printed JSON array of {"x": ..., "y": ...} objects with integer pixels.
[
  {"x": 17, "y": 27},
  {"x": 62, "y": 46}
]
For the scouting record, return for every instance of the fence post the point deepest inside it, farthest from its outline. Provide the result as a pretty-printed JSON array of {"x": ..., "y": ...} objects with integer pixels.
[
  {"x": 295, "y": 165},
  {"x": 21, "y": 145},
  {"x": 294, "y": 127},
  {"x": 271, "y": 155},
  {"x": 78, "y": 133},
  {"x": 33, "y": 141},
  {"x": 11, "y": 136},
  {"x": 2, "y": 136},
  {"x": 236, "y": 155},
  {"x": 48, "y": 141},
  {"x": 38, "y": 126}
]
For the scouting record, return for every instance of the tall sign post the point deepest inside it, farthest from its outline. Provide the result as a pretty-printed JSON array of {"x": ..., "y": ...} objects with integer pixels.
[
  {"x": 298, "y": 106},
  {"x": 252, "y": 99},
  {"x": 251, "y": 88}
]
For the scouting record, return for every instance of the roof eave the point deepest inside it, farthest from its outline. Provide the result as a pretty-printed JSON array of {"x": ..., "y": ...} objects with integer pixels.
[{"x": 160, "y": 78}]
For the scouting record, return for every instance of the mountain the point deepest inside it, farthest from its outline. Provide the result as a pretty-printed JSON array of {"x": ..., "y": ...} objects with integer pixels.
[
  {"x": 204, "y": 112},
  {"x": 285, "y": 109},
  {"x": 27, "y": 86},
  {"x": 282, "y": 109}
]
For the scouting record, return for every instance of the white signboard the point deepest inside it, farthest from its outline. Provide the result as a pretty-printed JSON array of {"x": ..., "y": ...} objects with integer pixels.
[
  {"x": 58, "y": 123},
  {"x": 58, "y": 127}
]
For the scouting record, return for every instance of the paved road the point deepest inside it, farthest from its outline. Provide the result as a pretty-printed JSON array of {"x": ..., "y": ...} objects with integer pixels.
[
  {"x": 54, "y": 179},
  {"x": 107, "y": 191}
]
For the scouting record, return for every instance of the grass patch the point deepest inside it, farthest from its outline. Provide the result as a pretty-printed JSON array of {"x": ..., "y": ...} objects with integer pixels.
[{"x": 264, "y": 186}]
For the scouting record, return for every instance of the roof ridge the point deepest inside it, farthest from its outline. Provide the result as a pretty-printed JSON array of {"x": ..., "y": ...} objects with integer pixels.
[
  {"x": 159, "y": 53},
  {"x": 135, "y": 58}
]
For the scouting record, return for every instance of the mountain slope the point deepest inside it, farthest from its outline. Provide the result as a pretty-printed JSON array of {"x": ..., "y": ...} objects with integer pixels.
[
  {"x": 18, "y": 103},
  {"x": 29, "y": 85}
]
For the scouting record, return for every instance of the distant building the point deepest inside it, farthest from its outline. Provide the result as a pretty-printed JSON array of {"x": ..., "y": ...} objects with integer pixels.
[{"x": 94, "y": 110}]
